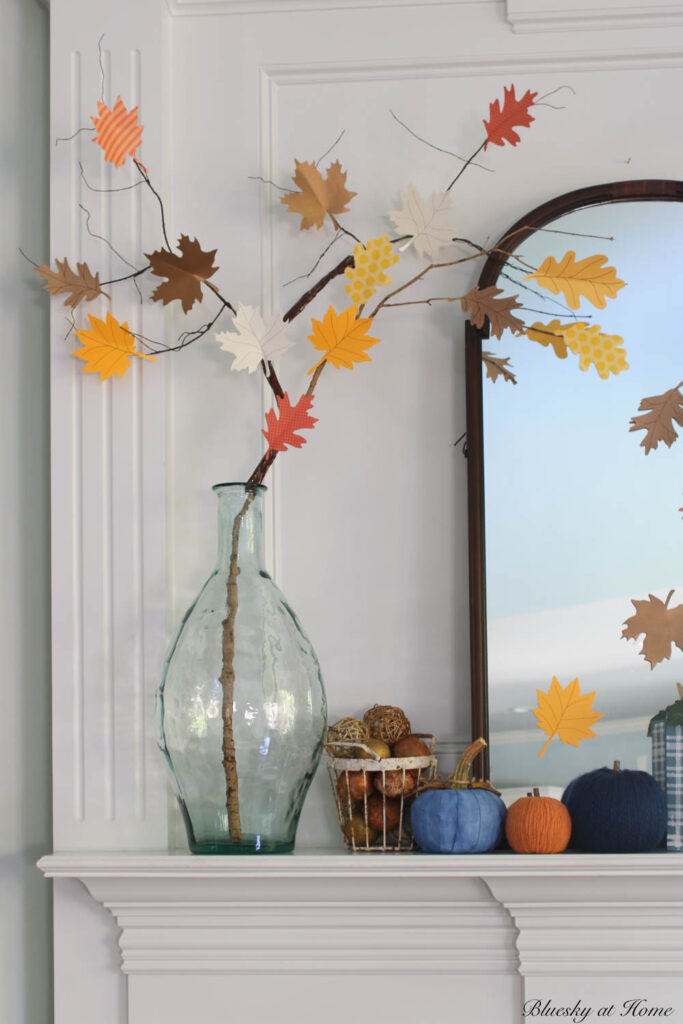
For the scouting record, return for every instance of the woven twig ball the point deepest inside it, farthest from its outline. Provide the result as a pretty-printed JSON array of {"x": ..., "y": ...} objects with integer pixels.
[
  {"x": 387, "y": 723},
  {"x": 348, "y": 730}
]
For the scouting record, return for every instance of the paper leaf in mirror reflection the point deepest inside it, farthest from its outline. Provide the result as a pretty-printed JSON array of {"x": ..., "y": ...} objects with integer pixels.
[
  {"x": 603, "y": 351},
  {"x": 496, "y": 366},
  {"x": 586, "y": 278},
  {"x": 342, "y": 337},
  {"x": 107, "y": 347},
  {"x": 662, "y": 626},
  {"x": 550, "y": 334},
  {"x": 513, "y": 114},
  {"x": 318, "y": 195},
  {"x": 81, "y": 285},
  {"x": 427, "y": 220},
  {"x": 659, "y": 413},
  {"x": 118, "y": 133},
  {"x": 367, "y": 273},
  {"x": 566, "y": 712},
  {"x": 185, "y": 273},
  {"x": 255, "y": 341},
  {"x": 281, "y": 429},
  {"x": 482, "y": 302}
]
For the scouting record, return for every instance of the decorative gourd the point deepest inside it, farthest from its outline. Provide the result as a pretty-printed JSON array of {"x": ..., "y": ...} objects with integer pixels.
[
  {"x": 461, "y": 818},
  {"x": 538, "y": 824},
  {"x": 616, "y": 811}
]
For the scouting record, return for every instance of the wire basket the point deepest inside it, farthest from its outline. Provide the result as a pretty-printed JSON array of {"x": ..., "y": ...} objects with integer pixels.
[{"x": 373, "y": 795}]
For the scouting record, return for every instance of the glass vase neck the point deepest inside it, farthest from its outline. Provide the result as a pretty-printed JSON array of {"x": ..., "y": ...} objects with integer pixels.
[{"x": 240, "y": 514}]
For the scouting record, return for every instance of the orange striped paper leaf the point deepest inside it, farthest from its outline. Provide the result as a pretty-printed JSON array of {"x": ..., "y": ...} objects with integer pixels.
[{"x": 118, "y": 131}]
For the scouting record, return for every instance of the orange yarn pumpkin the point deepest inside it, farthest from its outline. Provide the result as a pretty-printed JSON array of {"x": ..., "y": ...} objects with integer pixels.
[{"x": 538, "y": 824}]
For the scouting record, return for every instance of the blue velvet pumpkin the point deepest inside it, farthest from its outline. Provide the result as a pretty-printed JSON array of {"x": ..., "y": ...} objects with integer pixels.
[
  {"x": 615, "y": 811},
  {"x": 457, "y": 820}
]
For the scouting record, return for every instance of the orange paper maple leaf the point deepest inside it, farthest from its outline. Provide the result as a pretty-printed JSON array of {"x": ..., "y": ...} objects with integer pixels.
[
  {"x": 342, "y": 337},
  {"x": 118, "y": 132},
  {"x": 185, "y": 273},
  {"x": 318, "y": 195},
  {"x": 566, "y": 712},
  {"x": 281, "y": 432},
  {"x": 107, "y": 347},
  {"x": 662, "y": 626},
  {"x": 514, "y": 114}
]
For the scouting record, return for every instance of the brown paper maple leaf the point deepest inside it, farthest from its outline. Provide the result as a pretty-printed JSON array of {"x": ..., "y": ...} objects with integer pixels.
[
  {"x": 658, "y": 420},
  {"x": 496, "y": 366},
  {"x": 82, "y": 285},
  {"x": 482, "y": 302},
  {"x": 662, "y": 626},
  {"x": 318, "y": 195},
  {"x": 185, "y": 273}
]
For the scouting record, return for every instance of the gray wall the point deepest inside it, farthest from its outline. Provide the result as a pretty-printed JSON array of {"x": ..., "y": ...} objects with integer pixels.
[{"x": 25, "y": 827}]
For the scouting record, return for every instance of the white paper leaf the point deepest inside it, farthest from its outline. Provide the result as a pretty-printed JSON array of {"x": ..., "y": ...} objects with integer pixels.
[
  {"x": 427, "y": 220},
  {"x": 254, "y": 341}
]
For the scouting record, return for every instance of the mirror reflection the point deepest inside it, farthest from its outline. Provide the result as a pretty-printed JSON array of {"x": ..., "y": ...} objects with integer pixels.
[{"x": 579, "y": 520}]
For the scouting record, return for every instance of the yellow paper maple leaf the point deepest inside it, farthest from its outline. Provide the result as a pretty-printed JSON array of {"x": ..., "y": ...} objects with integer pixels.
[
  {"x": 342, "y": 337},
  {"x": 106, "y": 347},
  {"x": 566, "y": 712},
  {"x": 586, "y": 278}
]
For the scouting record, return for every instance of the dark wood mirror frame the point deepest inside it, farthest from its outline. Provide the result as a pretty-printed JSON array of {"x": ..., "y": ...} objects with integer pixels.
[{"x": 616, "y": 192}]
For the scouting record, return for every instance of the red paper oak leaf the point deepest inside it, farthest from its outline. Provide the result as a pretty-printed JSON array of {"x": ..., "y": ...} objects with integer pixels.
[
  {"x": 281, "y": 432},
  {"x": 515, "y": 114}
]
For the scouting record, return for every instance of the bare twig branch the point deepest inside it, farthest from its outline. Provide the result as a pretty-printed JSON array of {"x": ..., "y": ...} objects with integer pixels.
[
  {"x": 308, "y": 296},
  {"x": 102, "y": 238},
  {"x": 328, "y": 151},
  {"x": 301, "y": 277},
  {"x": 439, "y": 149}
]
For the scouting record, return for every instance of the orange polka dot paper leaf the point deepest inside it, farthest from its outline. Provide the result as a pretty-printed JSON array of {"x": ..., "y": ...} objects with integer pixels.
[
  {"x": 566, "y": 712},
  {"x": 368, "y": 272},
  {"x": 578, "y": 279},
  {"x": 107, "y": 347},
  {"x": 118, "y": 132},
  {"x": 318, "y": 196},
  {"x": 343, "y": 338}
]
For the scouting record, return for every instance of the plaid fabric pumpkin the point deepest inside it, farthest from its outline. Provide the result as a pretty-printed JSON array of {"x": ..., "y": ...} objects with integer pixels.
[{"x": 666, "y": 732}]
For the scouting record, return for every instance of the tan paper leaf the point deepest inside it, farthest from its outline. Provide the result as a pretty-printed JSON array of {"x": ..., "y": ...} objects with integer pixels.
[
  {"x": 496, "y": 366},
  {"x": 658, "y": 419},
  {"x": 318, "y": 195},
  {"x": 82, "y": 286},
  {"x": 661, "y": 625},
  {"x": 482, "y": 302}
]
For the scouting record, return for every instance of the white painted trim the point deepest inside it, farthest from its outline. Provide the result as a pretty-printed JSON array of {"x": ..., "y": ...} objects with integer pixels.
[
  {"x": 195, "y": 8},
  {"x": 587, "y": 16}
]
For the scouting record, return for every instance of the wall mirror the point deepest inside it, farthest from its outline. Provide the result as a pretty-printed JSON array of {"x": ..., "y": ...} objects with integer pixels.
[{"x": 569, "y": 519}]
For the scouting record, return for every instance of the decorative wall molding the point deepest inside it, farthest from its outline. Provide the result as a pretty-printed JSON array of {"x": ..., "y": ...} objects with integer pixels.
[
  {"x": 588, "y": 16},
  {"x": 214, "y": 7}
]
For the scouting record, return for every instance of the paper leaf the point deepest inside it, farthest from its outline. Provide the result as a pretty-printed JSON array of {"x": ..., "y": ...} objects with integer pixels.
[
  {"x": 83, "y": 286},
  {"x": 586, "y": 278},
  {"x": 661, "y": 625},
  {"x": 118, "y": 132},
  {"x": 367, "y": 273},
  {"x": 427, "y": 220},
  {"x": 318, "y": 195},
  {"x": 514, "y": 114},
  {"x": 566, "y": 712},
  {"x": 550, "y": 334},
  {"x": 497, "y": 366},
  {"x": 603, "y": 351},
  {"x": 185, "y": 273},
  {"x": 107, "y": 347},
  {"x": 342, "y": 337},
  {"x": 659, "y": 414},
  {"x": 281, "y": 431},
  {"x": 254, "y": 341},
  {"x": 482, "y": 302}
]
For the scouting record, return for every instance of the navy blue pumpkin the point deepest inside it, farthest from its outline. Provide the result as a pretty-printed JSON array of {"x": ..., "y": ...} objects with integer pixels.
[
  {"x": 615, "y": 811},
  {"x": 461, "y": 818}
]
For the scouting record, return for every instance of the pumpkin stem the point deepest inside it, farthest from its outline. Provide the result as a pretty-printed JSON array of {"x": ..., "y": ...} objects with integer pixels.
[
  {"x": 537, "y": 791},
  {"x": 460, "y": 777},
  {"x": 680, "y": 691},
  {"x": 617, "y": 766}
]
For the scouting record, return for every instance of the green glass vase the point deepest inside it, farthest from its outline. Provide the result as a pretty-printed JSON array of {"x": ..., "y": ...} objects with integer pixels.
[{"x": 241, "y": 703}]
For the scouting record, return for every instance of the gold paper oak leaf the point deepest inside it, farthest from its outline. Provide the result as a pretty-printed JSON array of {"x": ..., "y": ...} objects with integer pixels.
[
  {"x": 185, "y": 273},
  {"x": 659, "y": 413},
  {"x": 318, "y": 196},
  {"x": 566, "y": 712},
  {"x": 342, "y": 337},
  {"x": 483, "y": 302},
  {"x": 662, "y": 626},
  {"x": 81, "y": 285},
  {"x": 550, "y": 334},
  {"x": 586, "y": 278},
  {"x": 497, "y": 366},
  {"x": 107, "y": 347}
]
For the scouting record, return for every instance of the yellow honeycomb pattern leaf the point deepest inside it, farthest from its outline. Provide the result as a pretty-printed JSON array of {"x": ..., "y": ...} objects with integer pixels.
[
  {"x": 603, "y": 351},
  {"x": 371, "y": 260}
]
